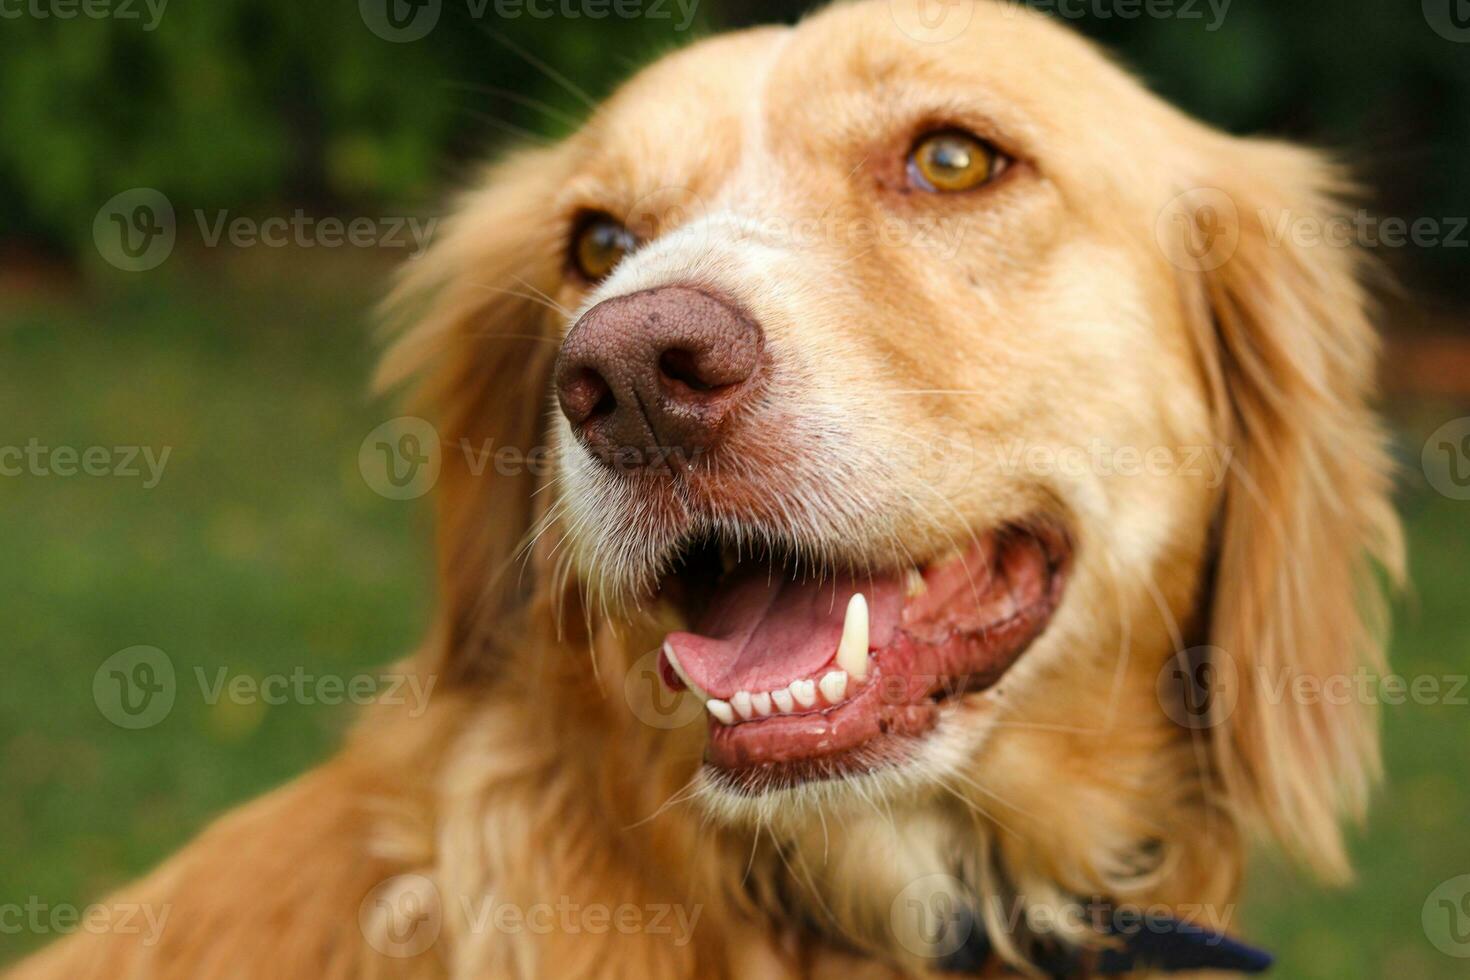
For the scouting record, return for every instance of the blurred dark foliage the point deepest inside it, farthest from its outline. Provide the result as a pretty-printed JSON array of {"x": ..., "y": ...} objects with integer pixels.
[{"x": 258, "y": 104}]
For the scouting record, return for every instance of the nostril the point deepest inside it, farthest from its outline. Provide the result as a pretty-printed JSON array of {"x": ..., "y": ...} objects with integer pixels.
[
  {"x": 605, "y": 405},
  {"x": 670, "y": 364},
  {"x": 587, "y": 396},
  {"x": 679, "y": 365}
]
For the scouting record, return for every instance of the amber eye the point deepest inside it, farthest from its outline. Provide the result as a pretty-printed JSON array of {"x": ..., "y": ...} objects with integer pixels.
[
  {"x": 952, "y": 160},
  {"x": 599, "y": 245}
]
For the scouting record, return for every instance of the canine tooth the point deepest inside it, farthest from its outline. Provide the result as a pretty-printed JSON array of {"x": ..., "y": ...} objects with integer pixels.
[
  {"x": 721, "y": 710},
  {"x": 914, "y": 584},
  {"x": 805, "y": 692},
  {"x": 740, "y": 701},
  {"x": 783, "y": 701},
  {"x": 761, "y": 703},
  {"x": 852, "y": 649},
  {"x": 674, "y": 663},
  {"x": 834, "y": 685}
]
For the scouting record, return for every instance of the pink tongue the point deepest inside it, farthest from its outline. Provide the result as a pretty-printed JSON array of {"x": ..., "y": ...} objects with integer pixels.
[{"x": 761, "y": 632}]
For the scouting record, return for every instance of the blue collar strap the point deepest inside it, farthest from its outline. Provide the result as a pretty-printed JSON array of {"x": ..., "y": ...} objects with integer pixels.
[{"x": 1162, "y": 945}]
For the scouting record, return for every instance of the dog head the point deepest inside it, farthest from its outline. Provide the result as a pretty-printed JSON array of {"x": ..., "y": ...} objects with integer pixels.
[{"x": 944, "y": 410}]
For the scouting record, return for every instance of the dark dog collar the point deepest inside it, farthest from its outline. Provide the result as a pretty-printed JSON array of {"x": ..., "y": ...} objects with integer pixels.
[{"x": 1164, "y": 945}]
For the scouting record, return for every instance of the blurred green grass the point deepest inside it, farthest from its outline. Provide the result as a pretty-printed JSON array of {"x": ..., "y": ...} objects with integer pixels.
[{"x": 262, "y": 549}]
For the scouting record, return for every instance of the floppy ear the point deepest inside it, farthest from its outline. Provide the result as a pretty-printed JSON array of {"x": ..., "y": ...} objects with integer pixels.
[
  {"x": 479, "y": 344},
  {"x": 1305, "y": 522}
]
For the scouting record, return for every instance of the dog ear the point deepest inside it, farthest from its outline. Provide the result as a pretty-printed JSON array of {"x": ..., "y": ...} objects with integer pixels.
[
  {"x": 1305, "y": 523},
  {"x": 479, "y": 343}
]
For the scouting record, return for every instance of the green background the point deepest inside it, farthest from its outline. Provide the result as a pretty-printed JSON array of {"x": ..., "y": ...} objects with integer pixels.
[{"x": 263, "y": 549}]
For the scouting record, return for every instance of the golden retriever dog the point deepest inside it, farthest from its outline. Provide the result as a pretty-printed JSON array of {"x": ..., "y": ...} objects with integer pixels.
[{"x": 895, "y": 475}]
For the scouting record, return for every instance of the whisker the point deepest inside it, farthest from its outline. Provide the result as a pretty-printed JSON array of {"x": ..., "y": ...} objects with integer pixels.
[
  {"x": 506, "y": 127},
  {"x": 549, "y": 299},
  {"x": 500, "y": 335},
  {"x": 546, "y": 108},
  {"x": 542, "y": 299},
  {"x": 993, "y": 795},
  {"x": 546, "y": 70},
  {"x": 683, "y": 794}
]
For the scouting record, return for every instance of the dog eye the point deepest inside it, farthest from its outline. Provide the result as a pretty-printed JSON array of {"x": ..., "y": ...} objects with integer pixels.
[
  {"x": 600, "y": 244},
  {"x": 952, "y": 160}
]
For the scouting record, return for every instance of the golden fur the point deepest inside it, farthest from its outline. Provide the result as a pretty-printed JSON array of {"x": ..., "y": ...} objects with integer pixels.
[{"x": 1067, "y": 306}]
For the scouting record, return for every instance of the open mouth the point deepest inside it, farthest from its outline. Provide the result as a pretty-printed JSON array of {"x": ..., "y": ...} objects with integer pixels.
[{"x": 814, "y": 674}]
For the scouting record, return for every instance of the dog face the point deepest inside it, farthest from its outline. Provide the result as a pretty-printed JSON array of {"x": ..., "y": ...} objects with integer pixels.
[
  {"x": 935, "y": 401},
  {"x": 893, "y": 336}
]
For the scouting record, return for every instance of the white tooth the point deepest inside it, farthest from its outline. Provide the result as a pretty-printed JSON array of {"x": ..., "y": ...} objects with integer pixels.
[
  {"x": 761, "y": 703},
  {"x": 674, "y": 662},
  {"x": 834, "y": 685},
  {"x": 914, "y": 584},
  {"x": 805, "y": 692},
  {"x": 783, "y": 700},
  {"x": 721, "y": 710},
  {"x": 741, "y": 703},
  {"x": 852, "y": 649}
]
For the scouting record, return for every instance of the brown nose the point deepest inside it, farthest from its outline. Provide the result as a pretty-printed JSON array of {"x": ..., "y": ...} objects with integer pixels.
[{"x": 654, "y": 377}]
